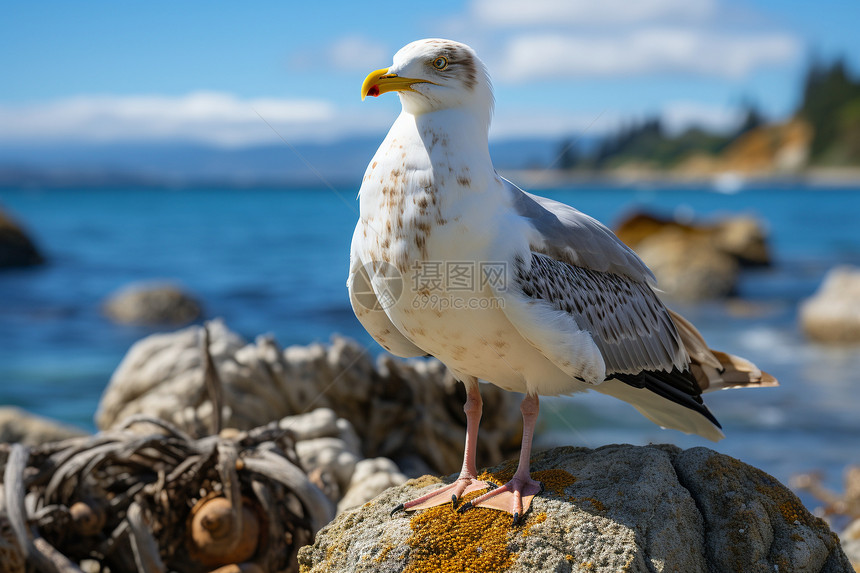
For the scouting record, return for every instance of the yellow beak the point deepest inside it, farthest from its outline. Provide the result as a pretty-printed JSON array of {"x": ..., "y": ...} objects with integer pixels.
[{"x": 380, "y": 82}]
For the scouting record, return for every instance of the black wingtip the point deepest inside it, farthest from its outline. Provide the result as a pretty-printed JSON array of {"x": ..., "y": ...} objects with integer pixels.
[
  {"x": 677, "y": 386},
  {"x": 396, "y": 509}
]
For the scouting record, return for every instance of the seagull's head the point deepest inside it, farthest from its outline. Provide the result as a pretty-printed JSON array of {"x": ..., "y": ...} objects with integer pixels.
[{"x": 434, "y": 74}]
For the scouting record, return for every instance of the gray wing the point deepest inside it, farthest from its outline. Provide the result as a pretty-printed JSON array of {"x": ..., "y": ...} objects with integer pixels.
[
  {"x": 573, "y": 237},
  {"x": 580, "y": 267},
  {"x": 628, "y": 323}
]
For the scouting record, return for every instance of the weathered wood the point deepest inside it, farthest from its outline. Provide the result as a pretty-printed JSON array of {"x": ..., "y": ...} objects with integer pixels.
[
  {"x": 125, "y": 500},
  {"x": 279, "y": 469},
  {"x": 212, "y": 382},
  {"x": 13, "y": 481},
  {"x": 58, "y": 562}
]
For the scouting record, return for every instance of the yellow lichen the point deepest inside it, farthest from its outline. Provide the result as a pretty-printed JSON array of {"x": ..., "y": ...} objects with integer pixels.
[
  {"x": 383, "y": 554},
  {"x": 554, "y": 481},
  {"x": 595, "y": 503},
  {"x": 527, "y": 527},
  {"x": 788, "y": 505},
  {"x": 477, "y": 540},
  {"x": 444, "y": 540}
]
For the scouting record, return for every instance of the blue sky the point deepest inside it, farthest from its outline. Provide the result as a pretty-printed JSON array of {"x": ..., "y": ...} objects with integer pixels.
[{"x": 202, "y": 71}]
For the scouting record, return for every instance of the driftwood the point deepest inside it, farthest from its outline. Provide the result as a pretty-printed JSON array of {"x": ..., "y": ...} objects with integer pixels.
[
  {"x": 845, "y": 504},
  {"x": 163, "y": 501}
]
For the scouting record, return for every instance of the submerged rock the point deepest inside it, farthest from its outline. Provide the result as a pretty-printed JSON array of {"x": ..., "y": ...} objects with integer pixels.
[
  {"x": 689, "y": 268},
  {"x": 616, "y": 508},
  {"x": 152, "y": 303},
  {"x": 832, "y": 314},
  {"x": 16, "y": 248},
  {"x": 17, "y": 425},
  {"x": 696, "y": 261}
]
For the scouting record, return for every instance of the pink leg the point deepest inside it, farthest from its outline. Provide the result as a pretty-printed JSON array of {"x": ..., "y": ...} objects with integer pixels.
[
  {"x": 509, "y": 497},
  {"x": 467, "y": 482}
]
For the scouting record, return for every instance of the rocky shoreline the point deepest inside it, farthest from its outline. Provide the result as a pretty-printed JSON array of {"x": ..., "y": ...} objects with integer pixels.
[{"x": 324, "y": 415}]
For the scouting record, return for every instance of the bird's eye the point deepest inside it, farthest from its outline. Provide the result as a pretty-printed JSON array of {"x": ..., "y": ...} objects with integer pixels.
[{"x": 440, "y": 63}]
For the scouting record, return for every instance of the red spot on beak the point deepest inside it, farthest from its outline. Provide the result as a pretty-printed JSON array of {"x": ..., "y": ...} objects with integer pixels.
[{"x": 373, "y": 91}]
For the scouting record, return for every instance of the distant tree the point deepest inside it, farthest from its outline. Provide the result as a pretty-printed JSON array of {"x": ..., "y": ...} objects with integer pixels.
[
  {"x": 569, "y": 155},
  {"x": 830, "y": 103},
  {"x": 752, "y": 118},
  {"x": 829, "y": 93}
]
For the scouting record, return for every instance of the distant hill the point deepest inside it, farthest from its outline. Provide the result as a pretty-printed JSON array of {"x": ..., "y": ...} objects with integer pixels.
[
  {"x": 338, "y": 163},
  {"x": 824, "y": 132}
]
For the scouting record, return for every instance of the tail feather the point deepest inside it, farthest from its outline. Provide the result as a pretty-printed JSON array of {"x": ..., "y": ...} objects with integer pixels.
[
  {"x": 715, "y": 370},
  {"x": 672, "y": 399}
]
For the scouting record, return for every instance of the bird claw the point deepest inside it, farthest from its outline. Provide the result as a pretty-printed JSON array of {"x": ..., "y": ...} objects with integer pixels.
[
  {"x": 464, "y": 507},
  {"x": 514, "y": 497},
  {"x": 400, "y": 507},
  {"x": 516, "y": 519},
  {"x": 451, "y": 493}
]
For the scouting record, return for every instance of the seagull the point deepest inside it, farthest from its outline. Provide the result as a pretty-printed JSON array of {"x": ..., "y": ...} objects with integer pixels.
[{"x": 450, "y": 260}]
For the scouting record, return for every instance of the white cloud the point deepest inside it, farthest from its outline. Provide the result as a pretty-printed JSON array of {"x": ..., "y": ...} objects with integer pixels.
[
  {"x": 513, "y": 123},
  {"x": 355, "y": 53},
  {"x": 641, "y": 52},
  {"x": 679, "y": 116},
  {"x": 210, "y": 117},
  {"x": 516, "y": 13}
]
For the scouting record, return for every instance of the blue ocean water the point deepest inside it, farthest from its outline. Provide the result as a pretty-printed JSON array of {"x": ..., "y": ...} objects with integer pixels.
[{"x": 274, "y": 260}]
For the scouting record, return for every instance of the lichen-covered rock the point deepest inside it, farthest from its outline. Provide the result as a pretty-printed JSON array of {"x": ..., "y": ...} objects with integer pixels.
[
  {"x": 16, "y": 425},
  {"x": 152, "y": 303},
  {"x": 616, "y": 508},
  {"x": 262, "y": 383},
  {"x": 832, "y": 314},
  {"x": 16, "y": 248}
]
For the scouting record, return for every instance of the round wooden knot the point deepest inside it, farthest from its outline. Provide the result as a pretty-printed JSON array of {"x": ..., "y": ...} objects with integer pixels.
[
  {"x": 87, "y": 519},
  {"x": 213, "y": 536}
]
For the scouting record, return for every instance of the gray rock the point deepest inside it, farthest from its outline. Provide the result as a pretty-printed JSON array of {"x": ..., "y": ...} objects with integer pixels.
[
  {"x": 689, "y": 268},
  {"x": 321, "y": 423},
  {"x": 331, "y": 455},
  {"x": 616, "y": 508},
  {"x": 16, "y": 425},
  {"x": 16, "y": 247},
  {"x": 152, "y": 303},
  {"x": 696, "y": 261},
  {"x": 832, "y": 314},
  {"x": 262, "y": 383},
  {"x": 743, "y": 237},
  {"x": 165, "y": 370},
  {"x": 370, "y": 478}
]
